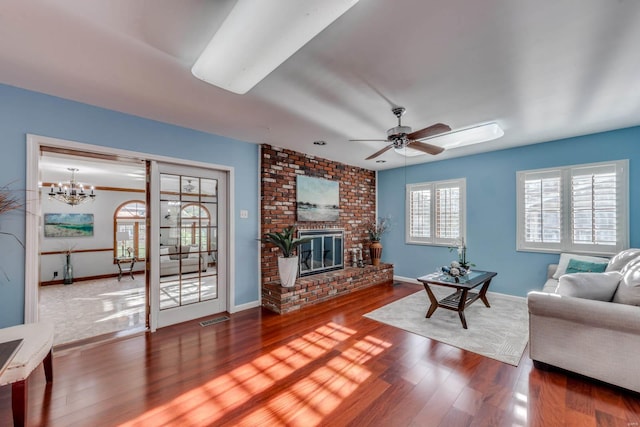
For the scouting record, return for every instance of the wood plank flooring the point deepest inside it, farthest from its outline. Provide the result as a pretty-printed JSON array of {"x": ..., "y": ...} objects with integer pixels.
[{"x": 326, "y": 365}]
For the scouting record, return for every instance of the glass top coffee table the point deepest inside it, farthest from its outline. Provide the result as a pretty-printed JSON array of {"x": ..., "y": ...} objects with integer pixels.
[{"x": 463, "y": 297}]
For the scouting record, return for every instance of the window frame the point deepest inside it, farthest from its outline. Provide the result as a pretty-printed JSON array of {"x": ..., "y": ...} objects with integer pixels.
[
  {"x": 135, "y": 221},
  {"x": 432, "y": 187},
  {"x": 566, "y": 244}
]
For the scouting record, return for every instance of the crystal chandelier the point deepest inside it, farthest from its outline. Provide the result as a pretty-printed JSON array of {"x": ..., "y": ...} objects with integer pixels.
[{"x": 71, "y": 193}]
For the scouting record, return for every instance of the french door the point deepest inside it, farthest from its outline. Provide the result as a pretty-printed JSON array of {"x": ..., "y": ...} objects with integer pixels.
[{"x": 189, "y": 243}]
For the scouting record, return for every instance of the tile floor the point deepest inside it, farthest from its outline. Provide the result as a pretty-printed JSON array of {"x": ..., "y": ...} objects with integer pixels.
[{"x": 86, "y": 309}]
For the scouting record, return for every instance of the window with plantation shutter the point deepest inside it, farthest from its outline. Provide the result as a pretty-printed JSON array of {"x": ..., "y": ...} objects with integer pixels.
[
  {"x": 420, "y": 212},
  {"x": 447, "y": 212},
  {"x": 435, "y": 212},
  {"x": 581, "y": 209}
]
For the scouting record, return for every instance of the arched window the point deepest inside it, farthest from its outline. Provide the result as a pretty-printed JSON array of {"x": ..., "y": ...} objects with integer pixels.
[
  {"x": 195, "y": 226},
  {"x": 129, "y": 231}
]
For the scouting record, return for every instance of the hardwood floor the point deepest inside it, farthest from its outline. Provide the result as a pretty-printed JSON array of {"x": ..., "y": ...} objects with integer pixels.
[{"x": 325, "y": 365}]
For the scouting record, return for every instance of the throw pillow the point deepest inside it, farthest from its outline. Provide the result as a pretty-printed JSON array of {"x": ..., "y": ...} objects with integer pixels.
[
  {"x": 165, "y": 258},
  {"x": 577, "y": 266},
  {"x": 595, "y": 286},
  {"x": 565, "y": 258},
  {"x": 622, "y": 258},
  {"x": 164, "y": 251},
  {"x": 629, "y": 290}
]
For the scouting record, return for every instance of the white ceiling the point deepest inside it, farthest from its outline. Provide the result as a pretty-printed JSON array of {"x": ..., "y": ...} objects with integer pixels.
[{"x": 542, "y": 69}]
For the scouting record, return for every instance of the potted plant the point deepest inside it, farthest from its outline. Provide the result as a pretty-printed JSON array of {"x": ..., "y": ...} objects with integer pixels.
[
  {"x": 288, "y": 262},
  {"x": 375, "y": 230}
]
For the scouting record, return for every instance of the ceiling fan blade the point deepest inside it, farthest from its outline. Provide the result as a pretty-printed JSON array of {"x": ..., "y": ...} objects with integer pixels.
[
  {"x": 377, "y": 153},
  {"x": 367, "y": 140},
  {"x": 432, "y": 130},
  {"x": 424, "y": 147}
]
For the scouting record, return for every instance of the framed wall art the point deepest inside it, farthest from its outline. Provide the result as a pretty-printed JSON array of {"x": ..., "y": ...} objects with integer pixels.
[
  {"x": 68, "y": 225},
  {"x": 318, "y": 199}
]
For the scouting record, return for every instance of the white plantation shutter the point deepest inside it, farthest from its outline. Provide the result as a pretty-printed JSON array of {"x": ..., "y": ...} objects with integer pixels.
[
  {"x": 435, "y": 212},
  {"x": 580, "y": 209},
  {"x": 420, "y": 212},
  {"x": 447, "y": 211},
  {"x": 593, "y": 205},
  {"x": 542, "y": 207}
]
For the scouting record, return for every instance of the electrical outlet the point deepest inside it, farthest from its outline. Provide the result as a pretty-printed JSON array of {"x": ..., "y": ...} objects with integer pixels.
[{"x": 55, "y": 274}]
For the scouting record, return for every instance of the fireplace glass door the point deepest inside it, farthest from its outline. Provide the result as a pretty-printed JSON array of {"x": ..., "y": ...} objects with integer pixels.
[{"x": 323, "y": 253}]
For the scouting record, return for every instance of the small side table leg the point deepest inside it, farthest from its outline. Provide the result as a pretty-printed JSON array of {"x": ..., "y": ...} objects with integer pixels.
[
  {"x": 483, "y": 293},
  {"x": 461, "y": 303},
  {"x": 133, "y": 262},
  {"x": 433, "y": 299}
]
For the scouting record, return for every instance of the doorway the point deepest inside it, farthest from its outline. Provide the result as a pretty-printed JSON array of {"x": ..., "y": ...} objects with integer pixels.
[
  {"x": 93, "y": 226},
  {"x": 207, "y": 214}
]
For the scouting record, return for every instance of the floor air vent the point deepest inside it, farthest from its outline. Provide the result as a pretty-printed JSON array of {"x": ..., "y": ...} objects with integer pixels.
[{"x": 214, "y": 321}]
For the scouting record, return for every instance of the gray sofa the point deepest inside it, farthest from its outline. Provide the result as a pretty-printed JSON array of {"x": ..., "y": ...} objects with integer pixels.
[
  {"x": 180, "y": 259},
  {"x": 596, "y": 338}
]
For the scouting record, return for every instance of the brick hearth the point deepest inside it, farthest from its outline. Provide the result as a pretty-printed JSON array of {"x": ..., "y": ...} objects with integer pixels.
[{"x": 322, "y": 287}]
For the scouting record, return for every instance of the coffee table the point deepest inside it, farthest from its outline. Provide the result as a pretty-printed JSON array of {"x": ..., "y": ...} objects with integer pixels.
[{"x": 463, "y": 297}]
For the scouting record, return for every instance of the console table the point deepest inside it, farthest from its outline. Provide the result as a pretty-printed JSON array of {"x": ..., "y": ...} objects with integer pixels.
[
  {"x": 125, "y": 265},
  {"x": 463, "y": 296}
]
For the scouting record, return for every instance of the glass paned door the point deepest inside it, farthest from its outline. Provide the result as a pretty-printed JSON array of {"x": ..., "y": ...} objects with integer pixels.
[{"x": 191, "y": 276}]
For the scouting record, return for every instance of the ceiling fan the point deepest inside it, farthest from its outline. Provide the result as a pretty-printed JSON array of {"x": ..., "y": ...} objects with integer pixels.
[{"x": 401, "y": 136}]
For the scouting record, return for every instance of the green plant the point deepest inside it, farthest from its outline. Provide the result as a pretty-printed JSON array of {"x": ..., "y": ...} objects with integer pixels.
[{"x": 285, "y": 240}]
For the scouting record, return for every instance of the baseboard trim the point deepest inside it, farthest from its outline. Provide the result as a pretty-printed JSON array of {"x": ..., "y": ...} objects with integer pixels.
[
  {"x": 411, "y": 280},
  {"x": 83, "y": 279}
]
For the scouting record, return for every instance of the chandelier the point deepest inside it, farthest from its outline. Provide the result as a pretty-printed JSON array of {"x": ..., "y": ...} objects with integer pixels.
[{"x": 71, "y": 193}]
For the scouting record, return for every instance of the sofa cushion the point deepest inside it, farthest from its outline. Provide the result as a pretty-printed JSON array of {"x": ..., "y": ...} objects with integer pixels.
[
  {"x": 595, "y": 286},
  {"x": 565, "y": 258},
  {"x": 628, "y": 291},
  {"x": 550, "y": 286},
  {"x": 578, "y": 266},
  {"x": 622, "y": 258}
]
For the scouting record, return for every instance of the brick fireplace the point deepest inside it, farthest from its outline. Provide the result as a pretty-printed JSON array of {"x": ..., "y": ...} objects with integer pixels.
[{"x": 279, "y": 169}]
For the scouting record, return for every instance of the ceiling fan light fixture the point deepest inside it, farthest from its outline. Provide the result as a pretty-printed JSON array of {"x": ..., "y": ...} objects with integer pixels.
[
  {"x": 257, "y": 36},
  {"x": 409, "y": 152},
  {"x": 468, "y": 136}
]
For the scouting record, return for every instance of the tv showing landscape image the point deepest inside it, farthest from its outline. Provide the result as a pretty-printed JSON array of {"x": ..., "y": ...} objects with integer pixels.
[
  {"x": 318, "y": 199},
  {"x": 68, "y": 225}
]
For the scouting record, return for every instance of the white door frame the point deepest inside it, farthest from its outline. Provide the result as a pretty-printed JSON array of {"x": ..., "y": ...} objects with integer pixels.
[{"x": 33, "y": 218}]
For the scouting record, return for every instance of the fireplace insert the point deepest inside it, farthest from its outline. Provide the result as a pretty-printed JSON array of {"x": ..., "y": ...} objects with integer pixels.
[{"x": 323, "y": 253}]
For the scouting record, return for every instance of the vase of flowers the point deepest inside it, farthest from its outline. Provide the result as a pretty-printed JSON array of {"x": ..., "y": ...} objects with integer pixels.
[
  {"x": 375, "y": 230},
  {"x": 462, "y": 266},
  {"x": 67, "y": 272},
  {"x": 461, "y": 248}
]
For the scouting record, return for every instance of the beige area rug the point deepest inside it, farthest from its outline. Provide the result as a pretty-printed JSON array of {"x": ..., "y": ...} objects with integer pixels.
[{"x": 500, "y": 332}]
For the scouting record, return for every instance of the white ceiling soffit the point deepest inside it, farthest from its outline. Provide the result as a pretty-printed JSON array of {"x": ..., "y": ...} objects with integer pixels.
[
  {"x": 542, "y": 70},
  {"x": 53, "y": 168}
]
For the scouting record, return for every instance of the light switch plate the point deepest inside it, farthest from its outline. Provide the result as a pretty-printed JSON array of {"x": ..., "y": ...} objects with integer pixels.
[{"x": 244, "y": 213}]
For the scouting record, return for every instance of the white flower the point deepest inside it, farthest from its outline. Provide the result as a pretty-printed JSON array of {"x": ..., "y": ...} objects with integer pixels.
[
  {"x": 455, "y": 264},
  {"x": 454, "y": 271}
]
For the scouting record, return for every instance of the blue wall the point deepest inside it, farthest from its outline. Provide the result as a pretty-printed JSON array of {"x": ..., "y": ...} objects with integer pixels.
[
  {"x": 491, "y": 206},
  {"x": 23, "y": 112}
]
